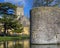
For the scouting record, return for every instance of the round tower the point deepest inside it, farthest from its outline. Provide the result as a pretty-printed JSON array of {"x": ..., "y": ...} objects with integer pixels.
[{"x": 45, "y": 25}]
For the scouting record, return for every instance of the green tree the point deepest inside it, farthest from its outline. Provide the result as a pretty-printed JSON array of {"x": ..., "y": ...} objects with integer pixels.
[
  {"x": 39, "y": 3},
  {"x": 48, "y": 2},
  {"x": 8, "y": 20}
]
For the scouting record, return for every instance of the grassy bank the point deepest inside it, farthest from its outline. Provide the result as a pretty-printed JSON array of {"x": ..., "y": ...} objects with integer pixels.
[{"x": 8, "y": 38}]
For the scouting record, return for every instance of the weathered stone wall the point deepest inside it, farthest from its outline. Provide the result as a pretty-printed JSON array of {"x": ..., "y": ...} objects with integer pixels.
[{"x": 45, "y": 25}]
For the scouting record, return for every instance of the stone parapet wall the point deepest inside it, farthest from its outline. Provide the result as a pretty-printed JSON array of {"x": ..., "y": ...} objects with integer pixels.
[{"x": 45, "y": 25}]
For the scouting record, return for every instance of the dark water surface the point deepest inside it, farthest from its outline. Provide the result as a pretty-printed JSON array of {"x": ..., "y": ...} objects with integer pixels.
[
  {"x": 23, "y": 44},
  {"x": 15, "y": 44}
]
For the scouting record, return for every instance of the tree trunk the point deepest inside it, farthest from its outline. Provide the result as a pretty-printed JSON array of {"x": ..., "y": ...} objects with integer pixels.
[
  {"x": 46, "y": 2},
  {"x": 5, "y": 30}
]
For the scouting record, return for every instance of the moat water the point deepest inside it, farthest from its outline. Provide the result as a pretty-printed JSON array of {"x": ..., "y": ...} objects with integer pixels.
[
  {"x": 23, "y": 44},
  {"x": 15, "y": 44},
  {"x": 45, "y": 46}
]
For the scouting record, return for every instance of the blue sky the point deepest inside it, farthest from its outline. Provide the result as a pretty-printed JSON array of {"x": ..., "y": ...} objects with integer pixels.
[{"x": 27, "y": 5}]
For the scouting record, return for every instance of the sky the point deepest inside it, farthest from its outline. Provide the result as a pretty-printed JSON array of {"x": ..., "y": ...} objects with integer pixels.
[{"x": 27, "y": 5}]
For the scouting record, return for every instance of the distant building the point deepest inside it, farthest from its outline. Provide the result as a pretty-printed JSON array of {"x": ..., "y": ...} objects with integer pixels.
[
  {"x": 24, "y": 21},
  {"x": 19, "y": 12}
]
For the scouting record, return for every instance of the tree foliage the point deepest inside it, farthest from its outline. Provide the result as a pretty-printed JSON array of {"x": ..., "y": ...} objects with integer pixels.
[
  {"x": 8, "y": 5},
  {"x": 39, "y": 3},
  {"x": 4, "y": 7},
  {"x": 9, "y": 21}
]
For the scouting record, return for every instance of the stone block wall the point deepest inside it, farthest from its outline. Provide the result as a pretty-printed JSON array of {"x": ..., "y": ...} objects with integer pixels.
[{"x": 45, "y": 25}]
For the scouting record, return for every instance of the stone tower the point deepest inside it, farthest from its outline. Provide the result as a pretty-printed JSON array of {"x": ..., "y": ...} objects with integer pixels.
[
  {"x": 19, "y": 12},
  {"x": 23, "y": 19},
  {"x": 45, "y": 25}
]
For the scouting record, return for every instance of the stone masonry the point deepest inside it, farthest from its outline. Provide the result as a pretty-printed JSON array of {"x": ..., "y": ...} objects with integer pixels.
[{"x": 45, "y": 25}]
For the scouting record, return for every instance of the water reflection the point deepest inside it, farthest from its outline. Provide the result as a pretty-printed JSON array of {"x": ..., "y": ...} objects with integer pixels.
[
  {"x": 15, "y": 44},
  {"x": 45, "y": 46}
]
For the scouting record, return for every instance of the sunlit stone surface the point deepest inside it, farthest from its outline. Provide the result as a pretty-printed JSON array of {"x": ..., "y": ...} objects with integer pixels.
[{"x": 45, "y": 25}]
